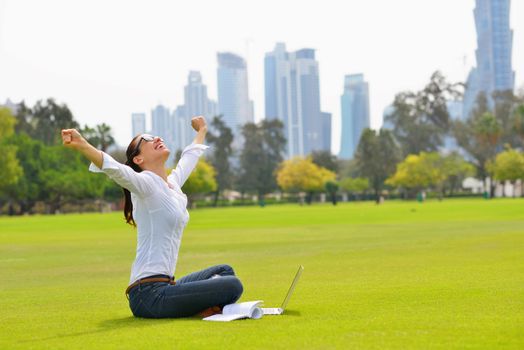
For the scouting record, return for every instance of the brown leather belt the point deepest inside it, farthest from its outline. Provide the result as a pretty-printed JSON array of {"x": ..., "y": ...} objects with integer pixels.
[{"x": 149, "y": 280}]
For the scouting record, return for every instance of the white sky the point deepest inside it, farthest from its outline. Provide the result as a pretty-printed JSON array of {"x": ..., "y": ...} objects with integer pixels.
[{"x": 107, "y": 59}]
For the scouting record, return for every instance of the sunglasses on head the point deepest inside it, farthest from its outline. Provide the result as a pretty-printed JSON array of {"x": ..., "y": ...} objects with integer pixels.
[
  {"x": 146, "y": 138},
  {"x": 150, "y": 138}
]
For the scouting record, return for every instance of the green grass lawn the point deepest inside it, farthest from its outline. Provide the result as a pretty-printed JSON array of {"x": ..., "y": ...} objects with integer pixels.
[{"x": 400, "y": 275}]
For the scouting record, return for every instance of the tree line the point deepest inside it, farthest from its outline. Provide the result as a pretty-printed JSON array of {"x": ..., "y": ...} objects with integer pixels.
[
  {"x": 36, "y": 169},
  {"x": 490, "y": 140},
  {"x": 407, "y": 159}
]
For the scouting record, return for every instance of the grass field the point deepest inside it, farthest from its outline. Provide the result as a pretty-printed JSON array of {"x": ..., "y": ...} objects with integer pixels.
[{"x": 402, "y": 275}]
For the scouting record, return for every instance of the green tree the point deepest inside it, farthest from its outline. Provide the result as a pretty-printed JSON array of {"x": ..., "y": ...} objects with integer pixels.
[
  {"x": 376, "y": 157},
  {"x": 421, "y": 119},
  {"x": 297, "y": 174},
  {"x": 55, "y": 175},
  {"x": 201, "y": 180},
  {"x": 419, "y": 172},
  {"x": 332, "y": 188},
  {"x": 479, "y": 136},
  {"x": 413, "y": 132},
  {"x": 65, "y": 178},
  {"x": 354, "y": 186},
  {"x": 347, "y": 168},
  {"x": 302, "y": 175},
  {"x": 10, "y": 169},
  {"x": 260, "y": 157},
  {"x": 488, "y": 128},
  {"x": 509, "y": 166},
  {"x": 89, "y": 134},
  {"x": 221, "y": 138},
  {"x": 69, "y": 186},
  {"x": 100, "y": 136},
  {"x": 326, "y": 160},
  {"x": 104, "y": 137},
  {"x": 29, "y": 188},
  {"x": 24, "y": 120},
  {"x": 505, "y": 108},
  {"x": 518, "y": 122},
  {"x": 52, "y": 174},
  {"x": 47, "y": 119},
  {"x": 7, "y": 123},
  {"x": 456, "y": 169}
]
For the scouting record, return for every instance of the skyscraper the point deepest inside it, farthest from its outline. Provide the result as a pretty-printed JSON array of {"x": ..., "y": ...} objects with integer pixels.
[
  {"x": 196, "y": 102},
  {"x": 195, "y": 95},
  {"x": 212, "y": 109},
  {"x": 493, "y": 55},
  {"x": 138, "y": 121},
  {"x": 182, "y": 137},
  {"x": 292, "y": 95},
  {"x": 233, "y": 94},
  {"x": 355, "y": 113},
  {"x": 326, "y": 131},
  {"x": 163, "y": 125}
]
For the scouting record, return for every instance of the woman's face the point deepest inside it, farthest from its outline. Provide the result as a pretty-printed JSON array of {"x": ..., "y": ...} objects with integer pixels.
[{"x": 152, "y": 150}]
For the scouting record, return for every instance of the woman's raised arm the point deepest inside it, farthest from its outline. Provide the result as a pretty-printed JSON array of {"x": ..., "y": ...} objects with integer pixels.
[
  {"x": 200, "y": 125},
  {"x": 191, "y": 154},
  {"x": 71, "y": 138},
  {"x": 139, "y": 183}
]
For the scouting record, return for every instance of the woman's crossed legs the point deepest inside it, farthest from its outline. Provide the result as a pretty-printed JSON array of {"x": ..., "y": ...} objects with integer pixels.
[{"x": 214, "y": 286}]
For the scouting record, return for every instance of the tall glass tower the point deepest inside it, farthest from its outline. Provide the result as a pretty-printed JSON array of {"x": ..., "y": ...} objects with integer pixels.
[
  {"x": 233, "y": 94},
  {"x": 196, "y": 102},
  {"x": 292, "y": 94},
  {"x": 138, "y": 123},
  {"x": 354, "y": 104},
  {"x": 163, "y": 125},
  {"x": 493, "y": 55},
  {"x": 195, "y": 95}
]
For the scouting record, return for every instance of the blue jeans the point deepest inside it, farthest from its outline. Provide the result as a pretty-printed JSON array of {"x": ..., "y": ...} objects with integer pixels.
[{"x": 191, "y": 294}]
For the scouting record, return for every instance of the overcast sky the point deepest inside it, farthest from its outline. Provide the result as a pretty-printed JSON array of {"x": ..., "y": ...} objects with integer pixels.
[{"x": 107, "y": 59}]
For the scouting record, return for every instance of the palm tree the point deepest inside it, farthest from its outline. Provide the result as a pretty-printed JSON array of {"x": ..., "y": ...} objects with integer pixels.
[
  {"x": 103, "y": 135},
  {"x": 487, "y": 129}
]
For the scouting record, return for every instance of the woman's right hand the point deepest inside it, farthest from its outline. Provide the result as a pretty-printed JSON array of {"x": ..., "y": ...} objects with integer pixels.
[
  {"x": 199, "y": 123},
  {"x": 71, "y": 138}
]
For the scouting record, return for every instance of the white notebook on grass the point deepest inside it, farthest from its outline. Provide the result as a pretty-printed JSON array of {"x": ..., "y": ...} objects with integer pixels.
[{"x": 248, "y": 309}]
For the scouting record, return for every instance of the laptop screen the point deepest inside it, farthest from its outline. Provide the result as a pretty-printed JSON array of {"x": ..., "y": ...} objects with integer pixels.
[{"x": 292, "y": 288}]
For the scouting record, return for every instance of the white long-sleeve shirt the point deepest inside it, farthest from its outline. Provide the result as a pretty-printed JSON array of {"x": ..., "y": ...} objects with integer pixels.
[{"x": 159, "y": 210}]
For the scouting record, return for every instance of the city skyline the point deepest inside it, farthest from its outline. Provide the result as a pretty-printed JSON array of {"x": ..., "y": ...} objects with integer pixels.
[{"x": 394, "y": 49}]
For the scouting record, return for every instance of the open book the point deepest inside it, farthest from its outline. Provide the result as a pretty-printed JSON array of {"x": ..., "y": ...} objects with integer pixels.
[{"x": 248, "y": 309}]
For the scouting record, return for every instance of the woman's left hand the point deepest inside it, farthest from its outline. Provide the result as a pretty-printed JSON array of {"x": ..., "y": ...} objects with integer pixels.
[{"x": 199, "y": 123}]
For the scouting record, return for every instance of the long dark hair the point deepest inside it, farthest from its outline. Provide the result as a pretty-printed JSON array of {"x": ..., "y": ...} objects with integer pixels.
[{"x": 131, "y": 152}]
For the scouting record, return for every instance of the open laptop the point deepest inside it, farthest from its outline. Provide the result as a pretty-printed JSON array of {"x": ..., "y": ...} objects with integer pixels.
[{"x": 280, "y": 310}]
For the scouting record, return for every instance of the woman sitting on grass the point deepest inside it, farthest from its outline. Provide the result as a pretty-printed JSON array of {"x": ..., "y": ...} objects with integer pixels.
[{"x": 156, "y": 206}]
